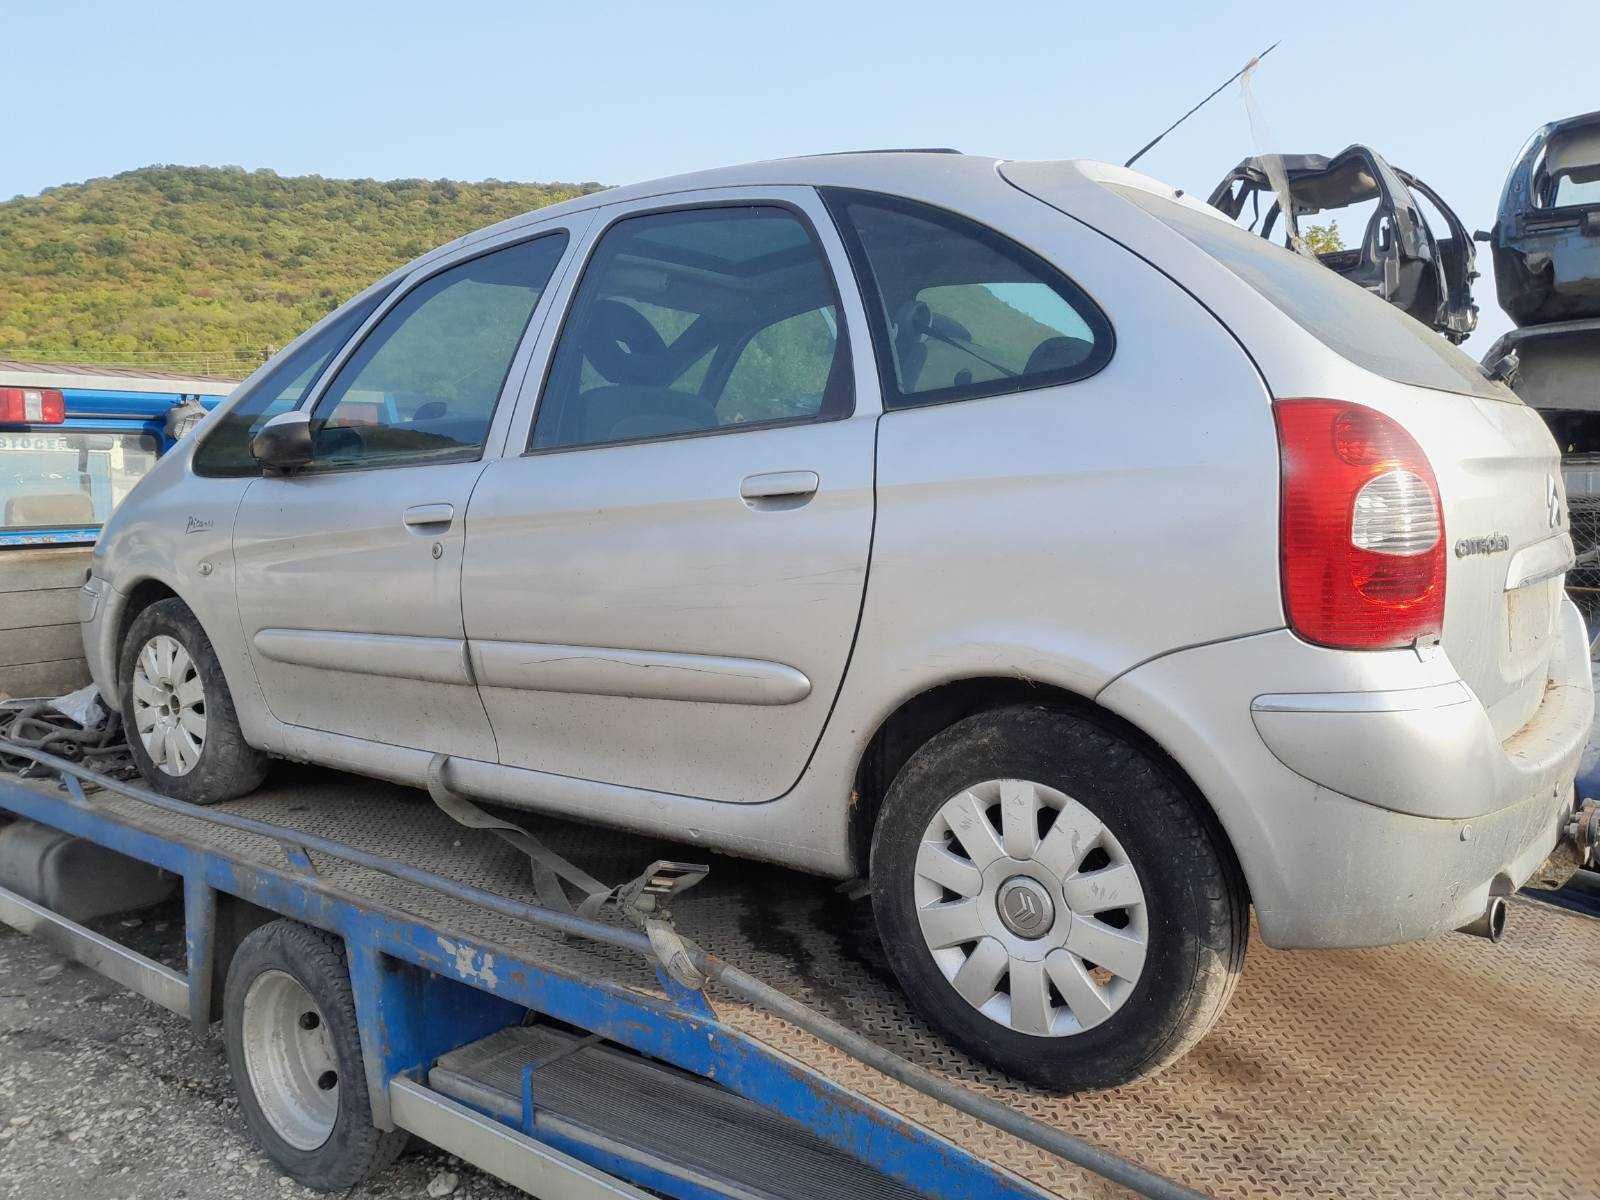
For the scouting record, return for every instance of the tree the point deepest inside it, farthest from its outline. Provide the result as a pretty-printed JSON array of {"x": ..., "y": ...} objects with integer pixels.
[
  {"x": 197, "y": 268},
  {"x": 1323, "y": 239}
]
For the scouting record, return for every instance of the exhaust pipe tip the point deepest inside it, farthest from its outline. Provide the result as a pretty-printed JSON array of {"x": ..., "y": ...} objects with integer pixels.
[{"x": 1492, "y": 924}]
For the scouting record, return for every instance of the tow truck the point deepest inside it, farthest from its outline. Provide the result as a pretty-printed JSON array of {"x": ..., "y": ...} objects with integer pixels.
[
  {"x": 73, "y": 441},
  {"x": 728, "y": 1030}
]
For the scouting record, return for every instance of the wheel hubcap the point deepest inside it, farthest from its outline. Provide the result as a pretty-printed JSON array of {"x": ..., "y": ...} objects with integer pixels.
[
  {"x": 289, "y": 1057},
  {"x": 169, "y": 705},
  {"x": 1030, "y": 907},
  {"x": 1025, "y": 907}
]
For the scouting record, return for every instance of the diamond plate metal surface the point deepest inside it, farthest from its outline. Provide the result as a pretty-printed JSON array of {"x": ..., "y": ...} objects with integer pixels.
[{"x": 1444, "y": 1068}]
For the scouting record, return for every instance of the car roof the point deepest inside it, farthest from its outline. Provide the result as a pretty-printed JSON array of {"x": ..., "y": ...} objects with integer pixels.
[
  {"x": 923, "y": 173},
  {"x": 848, "y": 169},
  {"x": 942, "y": 177}
]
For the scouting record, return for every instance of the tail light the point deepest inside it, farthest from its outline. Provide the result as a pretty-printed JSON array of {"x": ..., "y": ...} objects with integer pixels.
[
  {"x": 1362, "y": 527},
  {"x": 31, "y": 406}
]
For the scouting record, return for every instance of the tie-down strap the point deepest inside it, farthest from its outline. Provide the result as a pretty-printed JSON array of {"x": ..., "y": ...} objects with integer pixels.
[
  {"x": 550, "y": 870},
  {"x": 643, "y": 900}
]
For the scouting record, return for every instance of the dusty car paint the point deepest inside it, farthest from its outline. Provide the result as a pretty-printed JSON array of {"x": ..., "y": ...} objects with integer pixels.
[{"x": 1012, "y": 540}]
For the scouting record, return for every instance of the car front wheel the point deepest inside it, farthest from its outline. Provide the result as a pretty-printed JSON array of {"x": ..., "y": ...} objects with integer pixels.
[
  {"x": 1054, "y": 901},
  {"x": 180, "y": 720}
]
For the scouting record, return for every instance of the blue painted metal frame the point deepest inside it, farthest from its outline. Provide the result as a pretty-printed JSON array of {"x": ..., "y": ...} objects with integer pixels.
[
  {"x": 96, "y": 410},
  {"x": 405, "y": 972}
]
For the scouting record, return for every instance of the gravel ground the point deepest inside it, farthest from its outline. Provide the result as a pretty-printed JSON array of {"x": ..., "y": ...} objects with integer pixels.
[{"x": 104, "y": 1096}]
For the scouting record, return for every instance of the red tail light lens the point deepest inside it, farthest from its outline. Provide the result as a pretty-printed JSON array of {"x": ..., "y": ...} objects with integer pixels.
[
  {"x": 1362, "y": 527},
  {"x": 31, "y": 406}
]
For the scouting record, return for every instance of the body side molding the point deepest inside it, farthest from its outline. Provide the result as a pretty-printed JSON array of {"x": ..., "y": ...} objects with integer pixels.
[
  {"x": 434, "y": 660},
  {"x": 639, "y": 674}
]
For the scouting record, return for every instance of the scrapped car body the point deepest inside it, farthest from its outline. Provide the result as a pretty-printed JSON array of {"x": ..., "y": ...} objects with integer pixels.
[
  {"x": 1400, "y": 258},
  {"x": 1558, "y": 373},
  {"x": 1546, "y": 236},
  {"x": 805, "y": 510},
  {"x": 1546, "y": 245}
]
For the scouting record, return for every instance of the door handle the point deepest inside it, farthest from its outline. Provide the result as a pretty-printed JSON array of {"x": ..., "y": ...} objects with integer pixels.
[
  {"x": 780, "y": 485},
  {"x": 427, "y": 516}
]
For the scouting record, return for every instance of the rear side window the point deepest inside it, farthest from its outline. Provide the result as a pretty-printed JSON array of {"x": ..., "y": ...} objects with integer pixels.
[
  {"x": 1345, "y": 317},
  {"x": 696, "y": 321},
  {"x": 960, "y": 311},
  {"x": 226, "y": 448}
]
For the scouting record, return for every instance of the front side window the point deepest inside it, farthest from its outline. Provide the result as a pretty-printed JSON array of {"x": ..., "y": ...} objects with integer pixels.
[
  {"x": 225, "y": 451},
  {"x": 695, "y": 321},
  {"x": 424, "y": 383},
  {"x": 959, "y": 310}
]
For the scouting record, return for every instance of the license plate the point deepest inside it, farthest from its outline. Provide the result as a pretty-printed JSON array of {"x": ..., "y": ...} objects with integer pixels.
[{"x": 1529, "y": 620}]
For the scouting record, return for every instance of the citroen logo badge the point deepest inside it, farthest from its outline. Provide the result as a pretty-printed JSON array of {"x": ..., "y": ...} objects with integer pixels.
[{"x": 1025, "y": 907}]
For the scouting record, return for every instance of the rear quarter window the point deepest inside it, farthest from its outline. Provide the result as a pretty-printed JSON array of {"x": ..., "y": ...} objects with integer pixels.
[
  {"x": 1346, "y": 318},
  {"x": 959, "y": 311}
]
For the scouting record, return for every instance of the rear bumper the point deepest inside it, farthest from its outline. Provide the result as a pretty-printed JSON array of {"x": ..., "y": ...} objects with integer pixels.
[
  {"x": 1361, "y": 875},
  {"x": 1431, "y": 751},
  {"x": 1381, "y": 809}
]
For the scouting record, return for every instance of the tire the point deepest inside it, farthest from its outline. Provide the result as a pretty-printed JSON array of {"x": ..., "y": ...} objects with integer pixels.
[
  {"x": 1185, "y": 899},
  {"x": 226, "y": 766},
  {"x": 307, "y": 1106}
]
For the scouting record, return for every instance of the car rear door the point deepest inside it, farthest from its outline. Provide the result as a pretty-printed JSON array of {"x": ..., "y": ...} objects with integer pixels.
[
  {"x": 664, "y": 573},
  {"x": 348, "y": 571}
]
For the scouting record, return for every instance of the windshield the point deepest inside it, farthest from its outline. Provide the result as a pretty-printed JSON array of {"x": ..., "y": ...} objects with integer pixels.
[
  {"x": 61, "y": 479},
  {"x": 1343, "y": 316}
]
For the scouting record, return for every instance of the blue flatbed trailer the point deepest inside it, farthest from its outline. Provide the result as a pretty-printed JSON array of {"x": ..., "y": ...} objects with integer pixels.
[
  {"x": 74, "y": 440},
  {"x": 521, "y": 1038},
  {"x": 559, "y": 1053}
]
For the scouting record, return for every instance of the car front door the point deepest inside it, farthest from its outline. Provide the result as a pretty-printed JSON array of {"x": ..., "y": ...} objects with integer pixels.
[
  {"x": 662, "y": 582},
  {"x": 348, "y": 570}
]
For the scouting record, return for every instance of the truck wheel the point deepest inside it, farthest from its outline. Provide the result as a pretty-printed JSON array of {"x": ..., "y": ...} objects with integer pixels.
[
  {"x": 289, "y": 1021},
  {"x": 182, "y": 728},
  {"x": 1053, "y": 901}
]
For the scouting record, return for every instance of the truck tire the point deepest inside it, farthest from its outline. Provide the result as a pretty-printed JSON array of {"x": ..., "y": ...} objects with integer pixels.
[
  {"x": 294, "y": 1050},
  {"x": 1054, "y": 901},
  {"x": 181, "y": 724}
]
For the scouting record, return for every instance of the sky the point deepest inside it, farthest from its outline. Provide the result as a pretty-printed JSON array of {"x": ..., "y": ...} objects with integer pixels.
[{"x": 617, "y": 92}]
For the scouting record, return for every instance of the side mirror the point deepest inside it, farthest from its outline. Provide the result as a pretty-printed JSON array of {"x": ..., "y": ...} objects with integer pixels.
[{"x": 284, "y": 442}]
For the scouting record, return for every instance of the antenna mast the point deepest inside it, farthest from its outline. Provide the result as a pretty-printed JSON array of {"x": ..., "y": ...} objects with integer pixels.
[{"x": 1151, "y": 143}]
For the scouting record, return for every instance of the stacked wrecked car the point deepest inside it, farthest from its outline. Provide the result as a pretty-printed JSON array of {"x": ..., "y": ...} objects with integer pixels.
[
  {"x": 1400, "y": 241},
  {"x": 1424, "y": 269},
  {"x": 1546, "y": 247}
]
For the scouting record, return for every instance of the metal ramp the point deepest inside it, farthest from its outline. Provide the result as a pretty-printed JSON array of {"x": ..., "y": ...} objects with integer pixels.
[{"x": 578, "y": 1093}]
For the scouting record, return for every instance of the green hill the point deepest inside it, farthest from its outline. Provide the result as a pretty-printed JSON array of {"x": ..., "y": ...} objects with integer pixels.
[{"x": 201, "y": 268}]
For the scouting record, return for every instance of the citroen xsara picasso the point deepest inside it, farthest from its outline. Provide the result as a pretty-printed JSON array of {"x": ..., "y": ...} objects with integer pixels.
[{"x": 1022, "y": 537}]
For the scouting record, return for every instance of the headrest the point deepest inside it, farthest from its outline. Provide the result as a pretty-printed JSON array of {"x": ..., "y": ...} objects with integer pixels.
[
  {"x": 1057, "y": 354},
  {"x": 622, "y": 345}
]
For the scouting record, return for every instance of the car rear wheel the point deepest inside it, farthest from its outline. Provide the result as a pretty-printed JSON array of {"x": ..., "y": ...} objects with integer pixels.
[
  {"x": 1054, "y": 901},
  {"x": 181, "y": 725}
]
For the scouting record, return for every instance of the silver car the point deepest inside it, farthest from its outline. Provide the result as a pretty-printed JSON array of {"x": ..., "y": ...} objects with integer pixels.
[{"x": 1023, "y": 538}]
